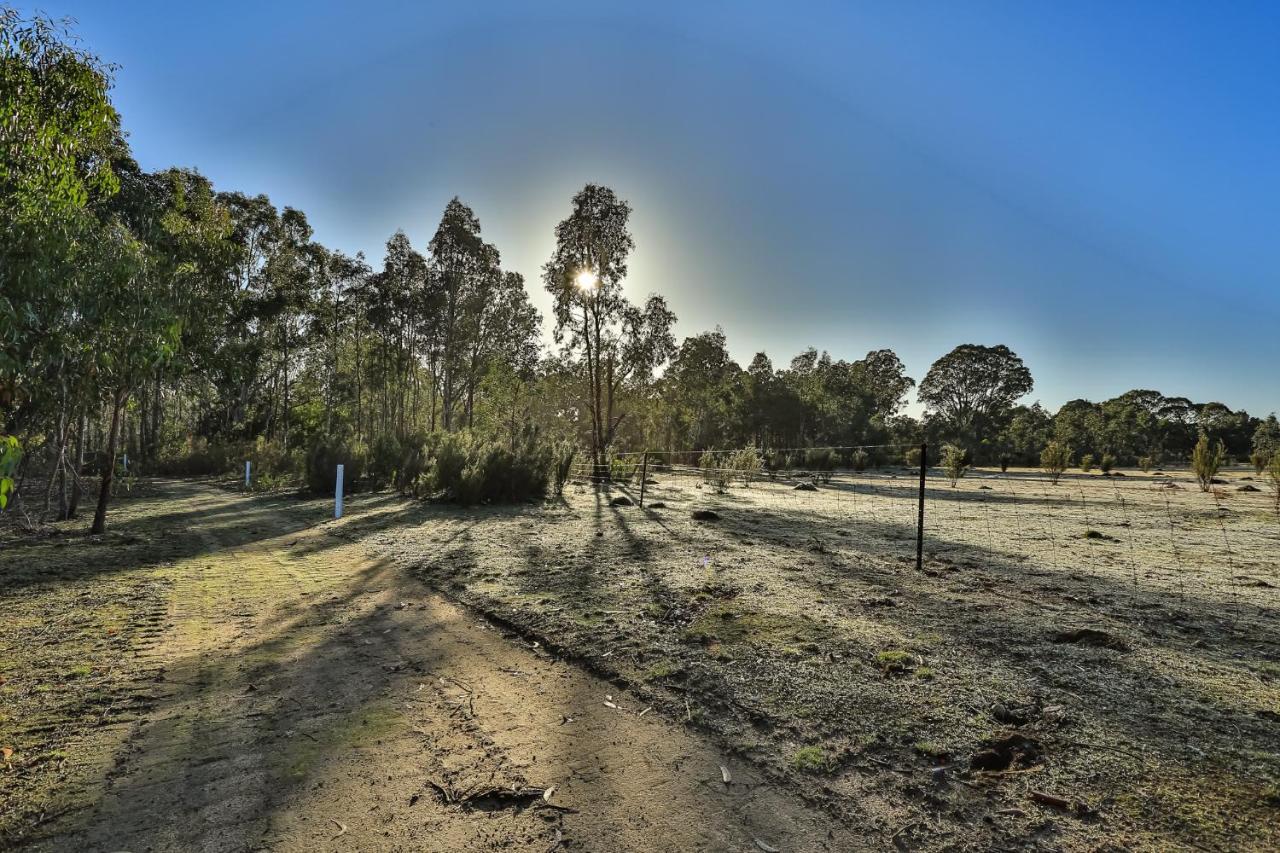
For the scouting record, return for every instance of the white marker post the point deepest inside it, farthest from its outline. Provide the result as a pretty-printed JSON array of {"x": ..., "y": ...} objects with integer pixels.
[
  {"x": 337, "y": 496},
  {"x": 247, "y": 465}
]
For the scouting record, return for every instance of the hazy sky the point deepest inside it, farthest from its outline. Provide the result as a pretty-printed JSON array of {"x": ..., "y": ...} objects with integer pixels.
[{"x": 1096, "y": 185}]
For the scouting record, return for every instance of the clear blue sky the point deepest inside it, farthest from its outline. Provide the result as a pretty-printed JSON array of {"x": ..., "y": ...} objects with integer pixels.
[{"x": 1096, "y": 185}]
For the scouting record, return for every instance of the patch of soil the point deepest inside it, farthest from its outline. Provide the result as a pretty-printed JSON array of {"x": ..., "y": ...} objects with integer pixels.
[
  {"x": 1006, "y": 752},
  {"x": 1090, "y": 637}
]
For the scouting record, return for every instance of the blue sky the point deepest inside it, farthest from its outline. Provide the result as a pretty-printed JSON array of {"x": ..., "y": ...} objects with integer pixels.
[{"x": 1096, "y": 185}]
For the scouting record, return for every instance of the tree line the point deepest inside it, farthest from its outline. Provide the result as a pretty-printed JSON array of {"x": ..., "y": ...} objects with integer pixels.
[{"x": 152, "y": 317}]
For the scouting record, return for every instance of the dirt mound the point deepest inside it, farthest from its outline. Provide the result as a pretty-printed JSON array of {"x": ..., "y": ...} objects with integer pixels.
[
  {"x": 806, "y": 487},
  {"x": 621, "y": 500},
  {"x": 704, "y": 515},
  {"x": 1090, "y": 637}
]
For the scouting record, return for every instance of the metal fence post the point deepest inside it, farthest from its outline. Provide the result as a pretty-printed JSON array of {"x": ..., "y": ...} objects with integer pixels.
[
  {"x": 644, "y": 475},
  {"x": 337, "y": 494},
  {"x": 924, "y": 465}
]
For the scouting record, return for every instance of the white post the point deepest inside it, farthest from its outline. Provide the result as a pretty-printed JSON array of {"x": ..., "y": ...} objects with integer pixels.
[
  {"x": 126, "y": 463},
  {"x": 247, "y": 463},
  {"x": 337, "y": 496}
]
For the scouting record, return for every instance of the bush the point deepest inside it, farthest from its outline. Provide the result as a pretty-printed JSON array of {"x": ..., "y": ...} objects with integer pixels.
[
  {"x": 469, "y": 471},
  {"x": 623, "y": 468},
  {"x": 714, "y": 472},
  {"x": 1259, "y": 460},
  {"x": 199, "y": 459},
  {"x": 385, "y": 457},
  {"x": 954, "y": 463},
  {"x": 860, "y": 459},
  {"x": 1206, "y": 460},
  {"x": 1146, "y": 463},
  {"x": 1086, "y": 463},
  {"x": 912, "y": 457},
  {"x": 821, "y": 461},
  {"x": 1055, "y": 459},
  {"x": 1273, "y": 477},
  {"x": 411, "y": 472},
  {"x": 745, "y": 464},
  {"x": 562, "y": 456},
  {"x": 323, "y": 459},
  {"x": 1004, "y": 462},
  {"x": 1107, "y": 463}
]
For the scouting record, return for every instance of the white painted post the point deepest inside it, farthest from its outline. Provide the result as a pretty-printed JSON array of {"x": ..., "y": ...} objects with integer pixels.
[
  {"x": 337, "y": 496},
  {"x": 126, "y": 463},
  {"x": 247, "y": 463}
]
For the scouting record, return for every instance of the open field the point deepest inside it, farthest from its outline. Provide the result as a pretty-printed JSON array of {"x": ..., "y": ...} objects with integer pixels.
[{"x": 225, "y": 672}]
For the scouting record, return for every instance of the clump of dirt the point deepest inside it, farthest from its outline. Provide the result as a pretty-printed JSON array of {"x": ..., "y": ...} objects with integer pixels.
[
  {"x": 621, "y": 500},
  {"x": 1006, "y": 752},
  {"x": 704, "y": 515},
  {"x": 806, "y": 487},
  {"x": 1090, "y": 637}
]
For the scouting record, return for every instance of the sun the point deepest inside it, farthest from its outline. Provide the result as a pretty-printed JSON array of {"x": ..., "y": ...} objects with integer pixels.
[{"x": 586, "y": 280}]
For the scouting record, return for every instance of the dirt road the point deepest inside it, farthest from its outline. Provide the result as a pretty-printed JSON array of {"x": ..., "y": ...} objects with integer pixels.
[{"x": 309, "y": 697}]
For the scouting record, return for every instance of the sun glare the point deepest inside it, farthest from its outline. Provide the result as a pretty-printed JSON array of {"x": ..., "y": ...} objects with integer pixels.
[{"x": 586, "y": 280}]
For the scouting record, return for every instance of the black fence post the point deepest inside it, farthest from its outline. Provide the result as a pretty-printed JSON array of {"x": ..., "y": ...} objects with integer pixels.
[
  {"x": 924, "y": 465},
  {"x": 644, "y": 475}
]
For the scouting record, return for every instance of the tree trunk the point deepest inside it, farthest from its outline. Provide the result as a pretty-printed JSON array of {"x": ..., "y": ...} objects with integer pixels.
[{"x": 109, "y": 464}]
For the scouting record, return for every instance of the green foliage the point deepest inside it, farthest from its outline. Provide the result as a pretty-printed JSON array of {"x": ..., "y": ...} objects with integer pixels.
[
  {"x": 1086, "y": 462},
  {"x": 714, "y": 470},
  {"x": 10, "y": 454},
  {"x": 860, "y": 459},
  {"x": 1055, "y": 459},
  {"x": 954, "y": 462},
  {"x": 1206, "y": 460},
  {"x": 1146, "y": 463},
  {"x": 811, "y": 759},
  {"x": 822, "y": 462},
  {"x": 912, "y": 457},
  {"x": 1004, "y": 462},
  {"x": 323, "y": 458},
  {"x": 1273, "y": 478},
  {"x": 468, "y": 470},
  {"x": 1259, "y": 459},
  {"x": 745, "y": 464},
  {"x": 563, "y": 455},
  {"x": 1106, "y": 463},
  {"x": 385, "y": 459},
  {"x": 622, "y": 469}
]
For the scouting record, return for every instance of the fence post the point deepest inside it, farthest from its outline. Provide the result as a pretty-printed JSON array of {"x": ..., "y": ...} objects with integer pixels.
[
  {"x": 337, "y": 495},
  {"x": 644, "y": 475},
  {"x": 246, "y": 473},
  {"x": 924, "y": 465}
]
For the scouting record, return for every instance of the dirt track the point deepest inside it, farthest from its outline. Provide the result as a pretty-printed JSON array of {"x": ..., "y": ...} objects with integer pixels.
[{"x": 301, "y": 696}]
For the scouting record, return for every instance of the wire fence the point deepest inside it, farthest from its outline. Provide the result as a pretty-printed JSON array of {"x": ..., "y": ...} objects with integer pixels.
[{"x": 1152, "y": 537}]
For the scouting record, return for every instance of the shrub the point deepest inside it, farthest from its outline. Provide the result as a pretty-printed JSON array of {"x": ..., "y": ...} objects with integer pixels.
[
  {"x": 860, "y": 459},
  {"x": 1259, "y": 460},
  {"x": 1086, "y": 463},
  {"x": 323, "y": 459},
  {"x": 384, "y": 459},
  {"x": 714, "y": 472},
  {"x": 1146, "y": 463},
  {"x": 912, "y": 457},
  {"x": 469, "y": 471},
  {"x": 199, "y": 459},
  {"x": 622, "y": 469},
  {"x": 562, "y": 456},
  {"x": 411, "y": 472},
  {"x": 745, "y": 464},
  {"x": 954, "y": 463},
  {"x": 1107, "y": 463},
  {"x": 1273, "y": 477},
  {"x": 1004, "y": 462},
  {"x": 1206, "y": 460},
  {"x": 1055, "y": 459},
  {"x": 821, "y": 461}
]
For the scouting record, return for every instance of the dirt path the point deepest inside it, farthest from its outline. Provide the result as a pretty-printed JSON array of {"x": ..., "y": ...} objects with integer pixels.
[{"x": 311, "y": 698}]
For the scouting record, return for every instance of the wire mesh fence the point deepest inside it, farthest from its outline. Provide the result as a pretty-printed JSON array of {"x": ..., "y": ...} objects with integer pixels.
[{"x": 1153, "y": 537}]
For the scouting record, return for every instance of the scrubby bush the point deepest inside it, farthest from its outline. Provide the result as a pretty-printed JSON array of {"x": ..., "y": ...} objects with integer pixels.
[
  {"x": 323, "y": 458},
  {"x": 1086, "y": 463},
  {"x": 471, "y": 471},
  {"x": 1206, "y": 460},
  {"x": 744, "y": 464},
  {"x": 1273, "y": 478},
  {"x": 1146, "y": 463},
  {"x": 384, "y": 459},
  {"x": 410, "y": 474},
  {"x": 821, "y": 461},
  {"x": 623, "y": 468},
  {"x": 562, "y": 456},
  {"x": 912, "y": 457},
  {"x": 1055, "y": 459},
  {"x": 714, "y": 472},
  {"x": 1107, "y": 463},
  {"x": 860, "y": 459},
  {"x": 1004, "y": 462},
  {"x": 954, "y": 462},
  {"x": 1259, "y": 460},
  {"x": 198, "y": 459}
]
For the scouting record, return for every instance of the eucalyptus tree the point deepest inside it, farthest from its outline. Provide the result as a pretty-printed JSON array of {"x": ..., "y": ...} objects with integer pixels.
[
  {"x": 612, "y": 340},
  {"x": 973, "y": 387}
]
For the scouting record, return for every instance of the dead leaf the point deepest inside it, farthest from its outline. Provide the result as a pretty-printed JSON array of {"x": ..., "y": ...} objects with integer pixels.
[
  {"x": 6, "y": 752},
  {"x": 766, "y": 846},
  {"x": 609, "y": 704},
  {"x": 724, "y": 773},
  {"x": 646, "y": 710},
  {"x": 546, "y": 795},
  {"x": 342, "y": 828}
]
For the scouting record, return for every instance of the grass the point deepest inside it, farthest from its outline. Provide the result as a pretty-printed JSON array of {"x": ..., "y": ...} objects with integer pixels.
[{"x": 811, "y": 759}]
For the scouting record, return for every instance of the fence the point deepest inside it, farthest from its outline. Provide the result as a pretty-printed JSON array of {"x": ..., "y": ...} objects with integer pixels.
[{"x": 1156, "y": 535}]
